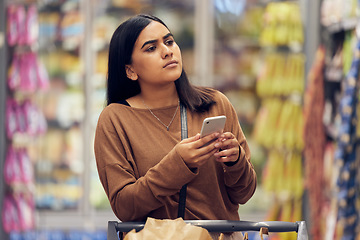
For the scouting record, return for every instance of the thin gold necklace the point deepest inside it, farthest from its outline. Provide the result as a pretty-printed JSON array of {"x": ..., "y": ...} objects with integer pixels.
[{"x": 167, "y": 126}]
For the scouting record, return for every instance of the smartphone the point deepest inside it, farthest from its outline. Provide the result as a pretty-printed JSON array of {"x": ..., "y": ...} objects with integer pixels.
[{"x": 212, "y": 124}]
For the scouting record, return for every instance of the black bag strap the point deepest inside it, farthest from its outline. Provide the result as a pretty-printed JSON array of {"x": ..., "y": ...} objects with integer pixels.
[{"x": 184, "y": 134}]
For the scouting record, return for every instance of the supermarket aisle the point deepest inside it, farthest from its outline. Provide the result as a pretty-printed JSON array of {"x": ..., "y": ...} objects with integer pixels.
[{"x": 297, "y": 104}]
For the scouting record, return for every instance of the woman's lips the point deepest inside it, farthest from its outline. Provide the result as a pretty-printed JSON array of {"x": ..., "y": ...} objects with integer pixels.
[{"x": 172, "y": 63}]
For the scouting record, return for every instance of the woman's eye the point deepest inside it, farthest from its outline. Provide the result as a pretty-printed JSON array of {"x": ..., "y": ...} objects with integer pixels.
[
  {"x": 169, "y": 42},
  {"x": 151, "y": 49}
]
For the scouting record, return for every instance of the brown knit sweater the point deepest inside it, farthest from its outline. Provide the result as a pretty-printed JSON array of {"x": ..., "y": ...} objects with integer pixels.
[{"x": 142, "y": 173}]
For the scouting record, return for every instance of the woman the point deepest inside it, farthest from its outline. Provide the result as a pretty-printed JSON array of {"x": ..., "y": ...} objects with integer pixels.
[{"x": 141, "y": 159}]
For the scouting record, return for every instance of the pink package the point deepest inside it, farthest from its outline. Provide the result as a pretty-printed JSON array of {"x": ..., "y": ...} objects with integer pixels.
[
  {"x": 36, "y": 122},
  {"x": 11, "y": 118},
  {"x": 28, "y": 73},
  {"x": 12, "y": 168},
  {"x": 13, "y": 78},
  {"x": 10, "y": 214},
  {"x": 25, "y": 206}
]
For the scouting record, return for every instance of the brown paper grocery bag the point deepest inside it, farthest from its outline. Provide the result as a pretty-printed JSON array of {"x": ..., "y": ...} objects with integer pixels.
[{"x": 167, "y": 229}]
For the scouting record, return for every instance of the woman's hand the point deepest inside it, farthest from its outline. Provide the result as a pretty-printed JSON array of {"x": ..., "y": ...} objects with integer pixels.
[
  {"x": 229, "y": 148},
  {"x": 195, "y": 151}
]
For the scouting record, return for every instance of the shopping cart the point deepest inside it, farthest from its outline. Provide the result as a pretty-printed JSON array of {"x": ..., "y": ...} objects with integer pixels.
[{"x": 115, "y": 227}]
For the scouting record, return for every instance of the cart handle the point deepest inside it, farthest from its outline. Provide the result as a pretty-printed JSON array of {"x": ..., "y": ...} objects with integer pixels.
[{"x": 222, "y": 226}]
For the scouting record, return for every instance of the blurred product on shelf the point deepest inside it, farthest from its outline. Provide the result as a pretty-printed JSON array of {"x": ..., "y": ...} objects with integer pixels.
[
  {"x": 71, "y": 64},
  {"x": 346, "y": 152},
  {"x": 18, "y": 167},
  {"x": 27, "y": 73},
  {"x": 282, "y": 25},
  {"x": 58, "y": 170},
  {"x": 71, "y": 30},
  {"x": 337, "y": 14},
  {"x": 22, "y": 25},
  {"x": 18, "y": 213},
  {"x": 48, "y": 27},
  {"x": 314, "y": 137},
  {"x": 24, "y": 121},
  {"x": 283, "y": 75},
  {"x": 279, "y": 124}
]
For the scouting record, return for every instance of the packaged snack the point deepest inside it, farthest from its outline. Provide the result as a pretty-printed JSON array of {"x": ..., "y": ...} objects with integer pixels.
[
  {"x": 12, "y": 170},
  {"x": 11, "y": 118},
  {"x": 10, "y": 215}
]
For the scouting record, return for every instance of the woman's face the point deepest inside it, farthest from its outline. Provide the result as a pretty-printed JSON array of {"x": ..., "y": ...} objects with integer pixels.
[{"x": 156, "y": 58}]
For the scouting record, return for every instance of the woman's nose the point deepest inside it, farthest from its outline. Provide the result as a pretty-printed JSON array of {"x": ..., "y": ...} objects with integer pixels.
[{"x": 166, "y": 51}]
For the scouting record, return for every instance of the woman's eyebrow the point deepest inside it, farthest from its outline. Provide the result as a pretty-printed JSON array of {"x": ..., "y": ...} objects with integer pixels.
[{"x": 154, "y": 41}]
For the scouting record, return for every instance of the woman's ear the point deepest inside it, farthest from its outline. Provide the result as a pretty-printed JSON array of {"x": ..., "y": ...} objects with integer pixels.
[{"x": 130, "y": 73}]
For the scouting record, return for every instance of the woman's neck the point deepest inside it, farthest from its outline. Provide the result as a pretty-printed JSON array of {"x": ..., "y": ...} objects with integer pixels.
[
  {"x": 159, "y": 98},
  {"x": 155, "y": 98}
]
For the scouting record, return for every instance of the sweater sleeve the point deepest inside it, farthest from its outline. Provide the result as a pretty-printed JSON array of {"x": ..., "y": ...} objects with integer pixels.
[
  {"x": 240, "y": 178},
  {"x": 133, "y": 197}
]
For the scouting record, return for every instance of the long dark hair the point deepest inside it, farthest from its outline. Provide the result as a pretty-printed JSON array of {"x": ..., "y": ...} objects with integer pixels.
[{"x": 120, "y": 87}]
